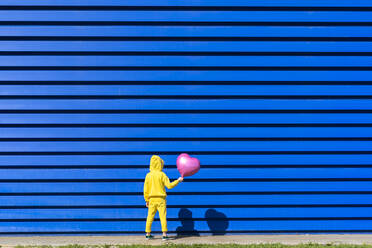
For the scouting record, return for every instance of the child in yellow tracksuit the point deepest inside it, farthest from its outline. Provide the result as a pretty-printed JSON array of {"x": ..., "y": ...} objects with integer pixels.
[{"x": 155, "y": 195}]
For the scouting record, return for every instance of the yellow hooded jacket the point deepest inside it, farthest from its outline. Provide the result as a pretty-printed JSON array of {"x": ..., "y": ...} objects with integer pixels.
[{"x": 156, "y": 180}]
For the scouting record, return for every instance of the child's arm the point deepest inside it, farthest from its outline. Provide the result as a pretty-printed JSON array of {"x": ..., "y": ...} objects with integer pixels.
[
  {"x": 171, "y": 185},
  {"x": 146, "y": 190}
]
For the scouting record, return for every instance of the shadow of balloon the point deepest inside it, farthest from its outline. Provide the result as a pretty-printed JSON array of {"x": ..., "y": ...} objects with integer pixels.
[
  {"x": 217, "y": 222},
  {"x": 187, "y": 227}
]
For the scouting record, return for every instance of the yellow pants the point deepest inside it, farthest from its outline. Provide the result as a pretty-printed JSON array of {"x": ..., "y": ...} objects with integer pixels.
[{"x": 157, "y": 204}]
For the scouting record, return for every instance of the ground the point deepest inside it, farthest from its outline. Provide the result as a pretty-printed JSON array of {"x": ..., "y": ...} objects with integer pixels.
[{"x": 270, "y": 241}]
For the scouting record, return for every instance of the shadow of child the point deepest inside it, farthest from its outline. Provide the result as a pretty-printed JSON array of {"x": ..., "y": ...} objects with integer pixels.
[{"x": 187, "y": 227}]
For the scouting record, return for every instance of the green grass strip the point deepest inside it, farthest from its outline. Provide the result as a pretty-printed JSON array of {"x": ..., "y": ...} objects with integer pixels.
[{"x": 309, "y": 245}]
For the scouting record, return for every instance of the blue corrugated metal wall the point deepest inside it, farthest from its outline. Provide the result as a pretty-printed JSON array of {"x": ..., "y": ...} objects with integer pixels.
[{"x": 274, "y": 98}]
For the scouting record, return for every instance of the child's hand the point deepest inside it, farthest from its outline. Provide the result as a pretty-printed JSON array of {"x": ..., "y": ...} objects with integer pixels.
[
  {"x": 147, "y": 204},
  {"x": 180, "y": 179}
]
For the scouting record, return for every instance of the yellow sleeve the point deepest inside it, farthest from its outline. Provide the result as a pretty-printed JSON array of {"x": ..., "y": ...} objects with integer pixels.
[
  {"x": 146, "y": 189},
  {"x": 168, "y": 184}
]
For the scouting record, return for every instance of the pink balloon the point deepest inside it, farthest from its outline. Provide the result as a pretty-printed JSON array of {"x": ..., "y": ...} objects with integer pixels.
[{"x": 186, "y": 165}]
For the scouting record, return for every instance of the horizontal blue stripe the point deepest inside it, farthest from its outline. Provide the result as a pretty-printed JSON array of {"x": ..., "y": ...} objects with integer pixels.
[
  {"x": 186, "y": 90},
  {"x": 194, "y": 187},
  {"x": 199, "y": 226},
  {"x": 117, "y": 213},
  {"x": 183, "y": 118},
  {"x": 188, "y": 16},
  {"x": 326, "y": 3},
  {"x": 197, "y": 76},
  {"x": 185, "y": 201},
  {"x": 182, "y": 46},
  {"x": 133, "y": 160},
  {"x": 171, "y": 31},
  {"x": 171, "y": 171},
  {"x": 185, "y": 61},
  {"x": 179, "y": 146},
  {"x": 164, "y": 132},
  {"x": 194, "y": 104}
]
